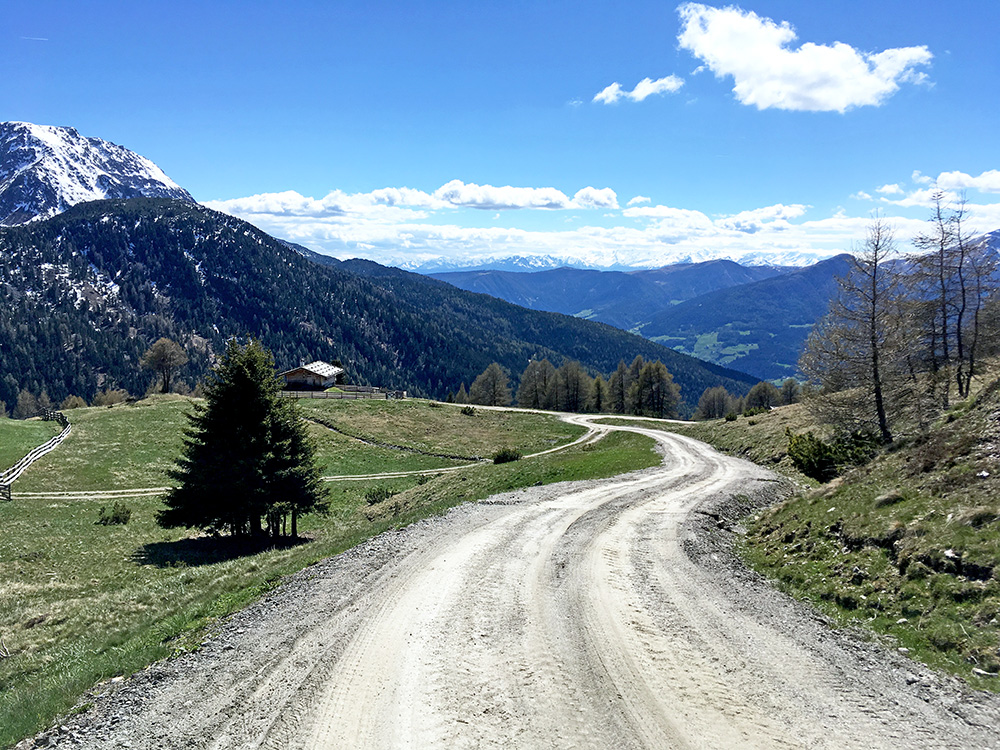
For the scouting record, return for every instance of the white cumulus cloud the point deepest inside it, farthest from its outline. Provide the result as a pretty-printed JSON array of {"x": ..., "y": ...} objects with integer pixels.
[
  {"x": 770, "y": 217},
  {"x": 646, "y": 88},
  {"x": 405, "y": 226},
  {"x": 987, "y": 182},
  {"x": 488, "y": 197},
  {"x": 769, "y": 73},
  {"x": 590, "y": 197},
  {"x": 890, "y": 189},
  {"x": 470, "y": 195},
  {"x": 396, "y": 204}
]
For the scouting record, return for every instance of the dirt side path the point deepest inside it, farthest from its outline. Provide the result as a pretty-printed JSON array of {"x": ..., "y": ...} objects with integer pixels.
[{"x": 596, "y": 614}]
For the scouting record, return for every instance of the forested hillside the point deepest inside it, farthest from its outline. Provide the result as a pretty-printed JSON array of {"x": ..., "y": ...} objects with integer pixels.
[
  {"x": 621, "y": 299},
  {"x": 759, "y": 327},
  {"x": 86, "y": 292}
]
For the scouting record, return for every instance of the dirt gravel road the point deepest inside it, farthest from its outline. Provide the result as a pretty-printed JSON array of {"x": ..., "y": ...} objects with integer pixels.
[{"x": 606, "y": 614}]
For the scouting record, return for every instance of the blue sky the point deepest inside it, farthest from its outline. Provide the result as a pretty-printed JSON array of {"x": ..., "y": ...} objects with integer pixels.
[{"x": 407, "y": 132}]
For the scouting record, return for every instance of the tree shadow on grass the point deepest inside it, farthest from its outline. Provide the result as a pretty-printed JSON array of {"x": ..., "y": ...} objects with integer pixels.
[{"x": 207, "y": 550}]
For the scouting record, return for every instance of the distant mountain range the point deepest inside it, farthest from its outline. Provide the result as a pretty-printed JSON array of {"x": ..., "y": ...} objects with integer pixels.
[
  {"x": 752, "y": 318},
  {"x": 44, "y": 170},
  {"x": 759, "y": 327},
  {"x": 85, "y": 289},
  {"x": 597, "y": 262},
  {"x": 625, "y": 300}
]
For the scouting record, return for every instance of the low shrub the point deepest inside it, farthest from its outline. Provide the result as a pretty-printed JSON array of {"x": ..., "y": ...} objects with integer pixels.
[
  {"x": 72, "y": 402},
  {"x": 857, "y": 448},
  {"x": 812, "y": 456},
  {"x": 732, "y": 416},
  {"x": 823, "y": 461},
  {"x": 469, "y": 411},
  {"x": 506, "y": 455},
  {"x": 376, "y": 495},
  {"x": 110, "y": 397},
  {"x": 118, "y": 515}
]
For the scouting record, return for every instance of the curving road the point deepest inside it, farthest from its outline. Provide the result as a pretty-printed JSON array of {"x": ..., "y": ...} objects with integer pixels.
[{"x": 581, "y": 615}]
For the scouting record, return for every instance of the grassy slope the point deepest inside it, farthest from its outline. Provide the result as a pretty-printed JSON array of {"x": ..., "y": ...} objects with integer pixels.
[
  {"x": 18, "y": 437},
  {"x": 81, "y": 602},
  {"x": 760, "y": 439},
  {"x": 908, "y": 546}
]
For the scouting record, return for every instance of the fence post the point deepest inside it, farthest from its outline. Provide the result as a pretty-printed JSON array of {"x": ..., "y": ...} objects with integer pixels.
[{"x": 5, "y": 492}]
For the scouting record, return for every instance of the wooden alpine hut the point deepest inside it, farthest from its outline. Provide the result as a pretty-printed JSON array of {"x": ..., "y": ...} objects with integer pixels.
[{"x": 316, "y": 376}]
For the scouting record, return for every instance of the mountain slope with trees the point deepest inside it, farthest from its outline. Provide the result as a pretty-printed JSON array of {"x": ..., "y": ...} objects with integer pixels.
[
  {"x": 621, "y": 299},
  {"x": 759, "y": 328},
  {"x": 85, "y": 293}
]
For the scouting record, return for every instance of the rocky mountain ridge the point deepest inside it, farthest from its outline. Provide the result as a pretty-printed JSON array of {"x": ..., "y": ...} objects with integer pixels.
[{"x": 44, "y": 170}]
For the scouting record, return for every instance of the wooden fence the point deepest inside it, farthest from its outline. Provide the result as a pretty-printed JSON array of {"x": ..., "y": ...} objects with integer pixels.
[
  {"x": 8, "y": 477},
  {"x": 349, "y": 392}
]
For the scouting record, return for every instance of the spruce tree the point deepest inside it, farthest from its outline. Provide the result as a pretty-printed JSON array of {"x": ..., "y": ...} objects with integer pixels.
[{"x": 247, "y": 458}]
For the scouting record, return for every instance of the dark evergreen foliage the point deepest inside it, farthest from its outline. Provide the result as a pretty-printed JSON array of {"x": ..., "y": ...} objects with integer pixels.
[
  {"x": 247, "y": 458},
  {"x": 823, "y": 460}
]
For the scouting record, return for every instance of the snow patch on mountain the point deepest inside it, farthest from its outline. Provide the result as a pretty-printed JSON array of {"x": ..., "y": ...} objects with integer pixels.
[
  {"x": 44, "y": 170},
  {"x": 530, "y": 263}
]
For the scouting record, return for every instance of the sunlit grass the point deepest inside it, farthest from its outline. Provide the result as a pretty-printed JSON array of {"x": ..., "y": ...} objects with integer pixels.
[{"x": 19, "y": 437}]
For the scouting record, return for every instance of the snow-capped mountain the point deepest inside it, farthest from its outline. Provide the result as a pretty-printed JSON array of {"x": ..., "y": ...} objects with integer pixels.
[
  {"x": 44, "y": 170},
  {"x": 526, "y": 263},
  {"x": 530, "y": 263}
]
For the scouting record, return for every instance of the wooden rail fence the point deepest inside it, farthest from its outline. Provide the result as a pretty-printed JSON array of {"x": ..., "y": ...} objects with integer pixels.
[
  {"x": 8, "y": 477},
  {"x": 349, "y": 392}
]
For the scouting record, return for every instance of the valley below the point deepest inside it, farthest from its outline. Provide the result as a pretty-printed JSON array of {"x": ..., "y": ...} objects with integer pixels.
[{"x": 601, "y": 613}]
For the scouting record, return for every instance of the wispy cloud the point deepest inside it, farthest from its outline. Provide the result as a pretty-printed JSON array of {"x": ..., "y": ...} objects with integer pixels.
[
  {"x": 755, "y": 51},
  {"x": 646, "y": 88},
  {"x": 638, "y": 199},
  {"x": 35, "y": 38}
]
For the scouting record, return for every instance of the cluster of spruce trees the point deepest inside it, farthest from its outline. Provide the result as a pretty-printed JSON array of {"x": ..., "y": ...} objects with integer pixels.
[{"x": 640, "y": 388}]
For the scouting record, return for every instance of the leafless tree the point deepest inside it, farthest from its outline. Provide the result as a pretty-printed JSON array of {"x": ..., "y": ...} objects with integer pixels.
[
  {"x": 953, "y": 278},
  {"x": 854, "y": 352},
  {"x": 715, "y": 403},
  {"x": 164, "y": 357},
  {"x": 491, "y": 388}
]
